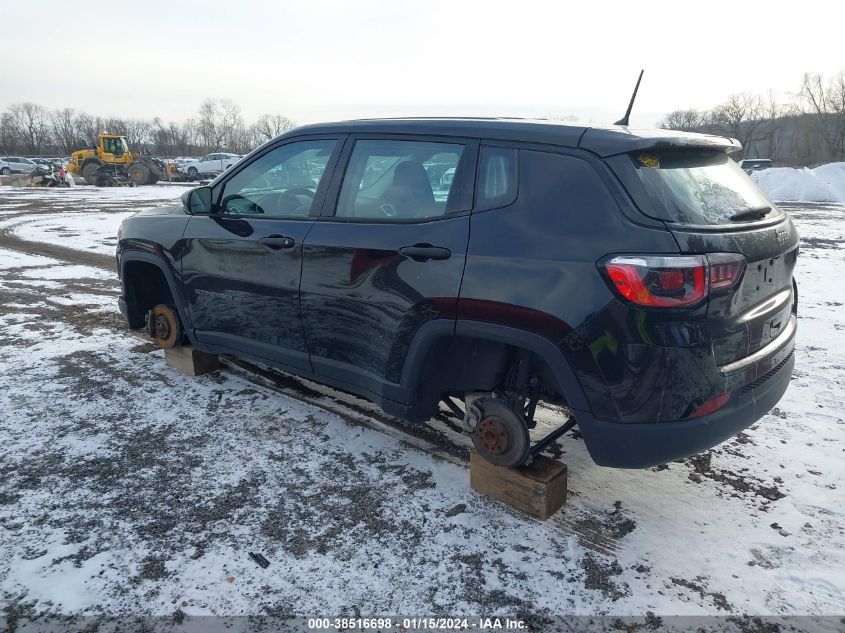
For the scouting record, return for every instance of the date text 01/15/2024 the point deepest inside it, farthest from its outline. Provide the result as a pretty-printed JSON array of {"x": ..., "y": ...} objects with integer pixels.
[{"x": 415, "y": 624}]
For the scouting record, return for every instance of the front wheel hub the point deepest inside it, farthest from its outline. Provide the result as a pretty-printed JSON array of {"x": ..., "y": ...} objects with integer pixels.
[{"x": 164, "y": 327}]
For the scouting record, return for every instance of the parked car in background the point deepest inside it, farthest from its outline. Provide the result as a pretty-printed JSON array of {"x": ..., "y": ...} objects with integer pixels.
[
  {"x": 48, "y": 162},
  {"x": 5, "y": 170},
  {"x": 209, "y": 165},
  {"x": 18, "y": 165},
  {"x": 755, "y": 164},
  {"x": 639, "y": 281}
]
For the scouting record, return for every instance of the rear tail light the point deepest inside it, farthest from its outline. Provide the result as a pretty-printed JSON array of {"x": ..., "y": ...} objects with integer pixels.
[
  {"x": 725, "y": 270},
  {"x": 671, "y": 281}
]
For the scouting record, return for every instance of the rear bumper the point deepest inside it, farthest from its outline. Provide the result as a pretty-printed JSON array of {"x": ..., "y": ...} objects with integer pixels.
[{"x": 632, "y": 445}]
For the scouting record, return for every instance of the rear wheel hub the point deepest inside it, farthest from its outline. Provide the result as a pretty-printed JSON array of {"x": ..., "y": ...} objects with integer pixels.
[
  {"x": 493, "y": 435},
  {"x": 501, "y": 435}
]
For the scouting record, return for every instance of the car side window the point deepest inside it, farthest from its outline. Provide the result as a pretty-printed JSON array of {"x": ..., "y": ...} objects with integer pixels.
[
  {"x": 399, "y": 180},
  {"x": 497, "y": 178},
  {"x": 282, "y": 182}
]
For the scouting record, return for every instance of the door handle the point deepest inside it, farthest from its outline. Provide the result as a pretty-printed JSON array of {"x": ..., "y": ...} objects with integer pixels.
[
  {"x": 276, "y": 242},
  {"x": 425, "y": 252}
]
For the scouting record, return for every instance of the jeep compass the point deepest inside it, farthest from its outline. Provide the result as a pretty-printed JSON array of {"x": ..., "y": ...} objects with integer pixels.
[{"x": 636, "y": 279}]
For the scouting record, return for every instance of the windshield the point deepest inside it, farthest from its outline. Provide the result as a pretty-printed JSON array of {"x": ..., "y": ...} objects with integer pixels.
[{"x": 689, "y": 187}]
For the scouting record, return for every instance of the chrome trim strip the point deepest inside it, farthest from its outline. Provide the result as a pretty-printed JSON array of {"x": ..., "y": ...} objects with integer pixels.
[
  {"x": 773, "y": 347},
  {"x": 775, "y": 302}
]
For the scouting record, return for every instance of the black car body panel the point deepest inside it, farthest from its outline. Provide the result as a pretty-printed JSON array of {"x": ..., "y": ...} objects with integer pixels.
[
  {"x": 403, "y": 310},
  {"x": 233, "y": 301}
]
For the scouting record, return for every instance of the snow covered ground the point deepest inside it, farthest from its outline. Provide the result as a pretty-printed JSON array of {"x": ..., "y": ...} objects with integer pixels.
[
  {"x": 825, "y": 183},
  {"x": 127, "y": 487}
]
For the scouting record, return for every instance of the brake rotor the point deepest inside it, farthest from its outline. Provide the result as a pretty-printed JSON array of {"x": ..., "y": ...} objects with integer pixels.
[
  {"x": 493, "y": 435},
  {"x": 163, "y": 326},
  {"x": 501, "y": 434}
]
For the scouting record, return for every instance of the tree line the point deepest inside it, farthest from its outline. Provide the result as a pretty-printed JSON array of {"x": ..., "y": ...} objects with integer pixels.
[
  {"x": 806, "y": 128},
  {"x": 33, "y": 130}
]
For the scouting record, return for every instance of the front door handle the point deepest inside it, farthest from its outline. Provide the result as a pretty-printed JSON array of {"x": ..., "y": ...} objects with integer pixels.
[
  {"x": 425, "y": 252},
  {"x": 277, "y": 242}
]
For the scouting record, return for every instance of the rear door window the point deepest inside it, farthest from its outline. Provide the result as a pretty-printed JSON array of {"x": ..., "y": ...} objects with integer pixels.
[
  {"x": 497, "y": 178},
  {"x": 400, "y": 180},
  {"x": 689, "y": 187}
]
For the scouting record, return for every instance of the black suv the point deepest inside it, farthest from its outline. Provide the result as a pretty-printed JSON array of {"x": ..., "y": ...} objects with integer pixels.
[{"x": 636, "y": 278}]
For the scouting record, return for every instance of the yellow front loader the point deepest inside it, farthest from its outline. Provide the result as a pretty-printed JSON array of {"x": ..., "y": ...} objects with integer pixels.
[{"x": 113, "y": 150}]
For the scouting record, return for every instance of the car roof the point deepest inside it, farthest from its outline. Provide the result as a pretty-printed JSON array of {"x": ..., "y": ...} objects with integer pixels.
[{"x": 601, "y": 140}]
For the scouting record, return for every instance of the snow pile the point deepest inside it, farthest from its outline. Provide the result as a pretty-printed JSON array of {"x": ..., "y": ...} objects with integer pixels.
[{"x": 825, "y": 183}]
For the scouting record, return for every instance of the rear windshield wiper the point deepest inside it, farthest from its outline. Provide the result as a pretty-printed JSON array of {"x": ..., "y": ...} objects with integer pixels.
[{"x": 751, "y": 214}]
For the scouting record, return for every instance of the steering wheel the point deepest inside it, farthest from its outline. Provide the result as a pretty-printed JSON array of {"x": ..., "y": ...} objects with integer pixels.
[
  {"x": 301, "y": 197},
  {"x": 387, "y": 209},
  {"x": 299, "y": 191},
  {"x": 256, "y": 208}
]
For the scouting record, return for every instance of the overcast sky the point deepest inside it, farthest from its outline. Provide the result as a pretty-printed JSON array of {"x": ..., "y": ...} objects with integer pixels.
[{"x": 317, "y": 60}]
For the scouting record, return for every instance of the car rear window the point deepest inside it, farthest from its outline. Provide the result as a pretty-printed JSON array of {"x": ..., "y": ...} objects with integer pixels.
[{"x": 689, "y": 186}]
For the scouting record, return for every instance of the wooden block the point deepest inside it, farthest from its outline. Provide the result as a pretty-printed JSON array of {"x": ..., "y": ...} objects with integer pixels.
[
  {"x": 191, "y": 361},
  {"x": 538, "y": 489}
]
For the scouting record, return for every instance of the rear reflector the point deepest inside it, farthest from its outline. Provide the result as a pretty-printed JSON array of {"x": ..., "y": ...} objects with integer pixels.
[
  {"x": 712, "y": 405},
  {"x": 671, "y": 281}
]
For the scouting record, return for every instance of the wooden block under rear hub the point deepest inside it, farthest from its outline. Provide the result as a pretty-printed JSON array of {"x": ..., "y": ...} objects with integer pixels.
[
  {"x": 538, "y": 489},
  {"x": 191, "y": 361}
]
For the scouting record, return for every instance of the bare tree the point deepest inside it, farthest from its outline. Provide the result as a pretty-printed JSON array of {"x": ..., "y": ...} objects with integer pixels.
[
  {"x": 30, "y": 125},
  {"x": 690, "y": 120},
  {"x": 88, "y": 127},
  {"x": 138, "y": 132},
  {"x": 7, "y": 136},
  {"x": 778, "y": 123},
  {"x": 827, "y": 102},
  {"x": 232, "y": 125},
  {"x": 210, "y": 125},
  {"x": 269, "y": 126},
  {"x": 219, "y": 124},
  {"x": 740, "y": 117},
  {"x": 65, "y": 131},
  {"x": 563, "y": 118}
]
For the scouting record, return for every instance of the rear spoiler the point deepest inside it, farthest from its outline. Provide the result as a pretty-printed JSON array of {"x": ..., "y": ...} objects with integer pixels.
[{"x": 610, "y": 141}]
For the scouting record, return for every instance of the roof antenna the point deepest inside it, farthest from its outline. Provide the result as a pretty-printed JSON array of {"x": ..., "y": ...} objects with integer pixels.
[{"x": 624, "y": 119}]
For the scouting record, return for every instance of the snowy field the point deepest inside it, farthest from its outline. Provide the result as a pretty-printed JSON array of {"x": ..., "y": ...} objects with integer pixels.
[{"x": 128, "y": 488}]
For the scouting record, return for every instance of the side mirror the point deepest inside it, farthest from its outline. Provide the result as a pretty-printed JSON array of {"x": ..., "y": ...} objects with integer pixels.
[{"x": 197, "y": 200}]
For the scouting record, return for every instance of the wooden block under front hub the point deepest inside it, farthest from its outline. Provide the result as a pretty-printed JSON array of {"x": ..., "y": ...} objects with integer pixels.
[
  {"x": 538, "y": 489},
  {"x": 191, "y": 361}
]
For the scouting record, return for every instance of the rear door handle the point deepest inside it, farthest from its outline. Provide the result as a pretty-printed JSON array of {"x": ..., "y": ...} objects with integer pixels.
[
  {"x": 277, "y": 242},
  {"x": 425, "y": 252}
]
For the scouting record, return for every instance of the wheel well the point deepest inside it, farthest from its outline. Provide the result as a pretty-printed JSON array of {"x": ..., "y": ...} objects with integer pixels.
[
  {"x": 144, "y": 287},
  {"x": 463, "y": 364}
]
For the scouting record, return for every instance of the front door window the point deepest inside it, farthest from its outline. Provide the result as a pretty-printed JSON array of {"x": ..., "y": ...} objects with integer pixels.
[{"x": 282, "y": 182}]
